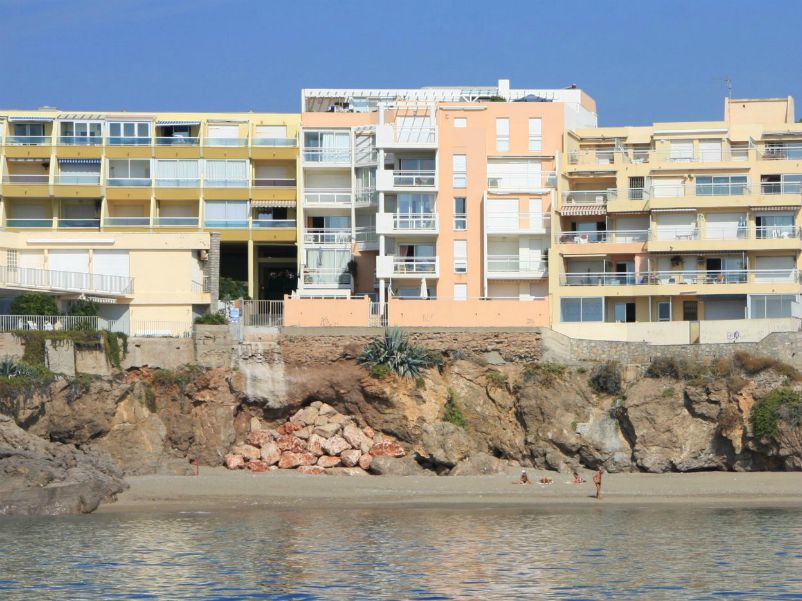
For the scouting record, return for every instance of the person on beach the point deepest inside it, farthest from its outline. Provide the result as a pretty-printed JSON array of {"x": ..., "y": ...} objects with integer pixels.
[
  {"x": 524, "y": 479},
  {"x": 546, "y": 480},
  {"x": 577, "y": 478},
  {"x": 597, "y": 480}
]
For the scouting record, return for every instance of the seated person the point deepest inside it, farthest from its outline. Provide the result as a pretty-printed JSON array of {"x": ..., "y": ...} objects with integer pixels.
[
  {"x": 524, "y": 479},
  {"x": 577, "y": 478},
  {"x": 546, "y": 480}
]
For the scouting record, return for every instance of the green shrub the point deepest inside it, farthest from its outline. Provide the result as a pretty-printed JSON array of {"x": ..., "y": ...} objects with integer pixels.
[
  {"x": 453, "y": 414},
  {"x": 179, "y": 377},
  {"x": 606, "y": 378},
  {"x": 755, "y": 364},
  {"x": 230, "y": 289},
  {"x": 496, "y": 379},
  {"x": 150, "y": 398},
  {"x": 396, "y": 352},
  {"x": 34, "y": 341},
  {"x": 678, "y": 369},
  {"x": 211, "y": 319},
  {"x": 544, "y": 373},
  {"x": 114, "y": 350},
  {"x": 668, "y": 392},
  {"x": 380, "y": 371},
  {"x": 82, "y": 308},
  {"x": 780, "y": 404},
  {"x": 34, "y": 303},
  {"x": 78, "y": 386},
  {"x": 19, "y": 381}
]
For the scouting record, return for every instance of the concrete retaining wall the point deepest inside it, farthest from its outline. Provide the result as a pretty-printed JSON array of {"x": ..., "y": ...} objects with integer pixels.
[{"x": 167, "y": 353}]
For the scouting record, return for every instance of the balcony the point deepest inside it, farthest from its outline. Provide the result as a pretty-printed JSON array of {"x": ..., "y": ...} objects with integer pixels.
[
  {"x": 366, "y": 236},
  {"x": 589, "y": 197},
  {"x": 390, "y": 266},
  {"x": 275, "y": 142},
  {"x": 328, "y": 236},
  {"x": 692, "y": 277},
  {"x": 407, "y": 223},
  {"x": 225, "y": 183},
  {"x": 323, "y": 277},
  {"x": 26, "y": 180},
  {"x": 328, "y": 197},
  {"x": 515, "y": 267},
  {"x": 781, "y": 152},
  {"x": 273, "y": 223},
  {"x": 327, "y": 156},
  {"x": 176, "y": 221},
  {"x": 225, "y": 142},
  {"x": 78, "y": 179},
  {"x": 366, "y": 197},
  {"x": 126, "y": 222},
  {"x": 275, "y": 182},
  {"x": 129, "y": 182},
  {"x": 237, "y": 224},
  {"x": 603, "y": 237},
  {"x": 502, "y": 222},
  {"x": 393, "y": 135},
  {"x": 80, "y": 140},
  {"x": 399, "y": 178},
  {"x": 794, "y": 188},
  {"x": 177, "y": 141},
  {"x": 29, "y": 140},
  {"x": 731, "y": 238},
  {"x": 521, "y": 181},
  {"x": 129, "y": 141},
  {"x": 178, "y": 182},
  {"x": 29, "y": 223},
  {"x": 606, "y": 156},
  {"x": 681, "y": 156},
  {"x": 66, "y": 281}
]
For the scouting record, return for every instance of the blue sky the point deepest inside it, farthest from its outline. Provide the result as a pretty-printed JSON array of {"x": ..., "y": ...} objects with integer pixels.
[{"x": 643, "y": 61}]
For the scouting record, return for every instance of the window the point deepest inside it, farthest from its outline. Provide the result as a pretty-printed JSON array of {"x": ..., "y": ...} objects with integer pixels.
[
  {"x": 327, "y": 147},
  {"x": 762, "y": 306},
  {"x": 11, "y": 258},
  {"x": 226, "y": 213},
  {"x": 460, "y": 214},
  {"x": 129, "y": 172},
  {"x": 690, "y": 311},
  {"x": 624, "y": 312},
  {"x": 581, "y": 309},
  {"x": 222, "y": 173},
  {"x": 502, "y": 134},
  {"x": 460, "y": 168},
  {"x": 664, "y": 311},
  {"x": 775, "y": 226},
  {"x": 721, "y": 185},
  {"x": 271, "y": 135},
  {"x": 81, "y": 132},
  {"x": 177, "y": 173},
  {"x": 461, "y": 292},
  {"x": 682, "y": 151},
  {"x": 460, "y": 122},
  {"x": 535, "y": 134},
  {"x": 636, "y": 185},
  {"x": 787, "y": 183},
  {"x": 460, "y": 256},
  {"x": 130, "y": 133}
]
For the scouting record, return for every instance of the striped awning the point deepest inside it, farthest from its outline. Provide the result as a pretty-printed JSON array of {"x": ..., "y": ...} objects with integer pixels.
[
  {"x": 583, "y": 210},
  {"x": 79, "y": 161},
  {"x": 28, "y": 160},
  {"x": 777, "y": 208},
  {"x": 272, "y": 203},
  {"x": 82, "y": 116},
  {"x": 177, "y": 122},
  {"x": 29, "y": 118}
]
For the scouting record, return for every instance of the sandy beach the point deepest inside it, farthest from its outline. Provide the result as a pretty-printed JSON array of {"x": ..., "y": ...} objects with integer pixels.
[{"x": 218, "y": 488}]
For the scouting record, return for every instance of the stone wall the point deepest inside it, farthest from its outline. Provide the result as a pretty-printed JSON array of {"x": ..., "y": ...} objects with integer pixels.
[
  {"x": 92, "y": 361},
  {"x": 167, "y": 353},
  {"x": 213, "y": 346},
  {"x": 11, "y": 346},
  {"x": 60, "y": 357}
]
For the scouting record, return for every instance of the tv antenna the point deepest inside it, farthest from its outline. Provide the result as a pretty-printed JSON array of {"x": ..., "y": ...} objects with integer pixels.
[{"x": 727, "y": 82}]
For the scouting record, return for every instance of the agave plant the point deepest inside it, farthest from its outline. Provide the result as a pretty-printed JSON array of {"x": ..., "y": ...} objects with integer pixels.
[
  {"x": 11, "y": 369},
  {"x": 396, "y": 352}
]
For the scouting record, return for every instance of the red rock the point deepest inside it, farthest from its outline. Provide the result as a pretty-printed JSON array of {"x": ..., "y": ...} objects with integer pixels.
[
  {"x": 369, "y": 432},
  {"x": 259, "y": 438},
  {"x": 350, "y": 457},
  {"x": 312, "y": 470},
  {"x": 328, "y": 461},
  {"x": 271, "y": 453},
  {"x": 327, "y": 430},
  {"x": 315, "y": 444},
  {"x": 288, "y": 442},
  {"x": 289, "y": 460},
  {"x": 388, "y": 449},
  {"x": 281, "y": 430},
  {"x": 335, "y": 445},
  {"x": 304, "y": 433},
  {"x": 291, "y": 427},
  {"x": 247, "y": 451},
  {"x": 308, "y": 458},
  {"x": 365, "y": 461},
  {"x": 258, "y": 465},
  {"x": 234, "y": 462}
]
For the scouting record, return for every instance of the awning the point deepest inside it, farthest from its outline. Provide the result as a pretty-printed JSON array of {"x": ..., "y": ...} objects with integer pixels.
[
  {"x": 28, "y": 160},
  {"x": 81, "y": 116},
  {"x": 258, "y": 204},
  {"x": 763, "y": 209},
  {"x": 29, "y": 118},
  {"x": 79, "y": 161},
  {"x": 683, "y": 210},
  {"x": 583, "y": 210},
  {"x": 177, "y": 122}
]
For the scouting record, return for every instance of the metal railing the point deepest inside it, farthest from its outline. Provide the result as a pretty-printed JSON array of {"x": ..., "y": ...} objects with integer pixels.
[
  {"x": 275, "y": 182},
  {"x": 225, "y": 183},
  {"x": 160, "y": 329},
  {"x": 589, "y": 197},
  {"x": 593, "y": 157},
  {"x": 80, "y": 140},
  {"x": 203, "y": 286},
  {"x": 366, "y": 235},
  {"x": 675, "y": 232},
  {"x": 413, "y": 178},
  {"x": 415, "y": 222},
  {"x": 262, "y": 313},
  {"x": 365, "y": 197},
  {"x": 9, "y": 323},
  {"x": 522, "y": 180},
  {"x": 177, "y": 141},
  {"x": 274, "y": 142},
  {"x": 460, "y": 222},
  {"x": 416, "y": 265},
  {"x": 129, "y": 182},
  {"x": 377, "y": 315},
  {"x": 29, "y": 140},
  {"x": 765, "y": 232},
  {"x": 515, "y": 264},
  {"x": 781, "y": 187},
  {"x": 328, "y": 235},
  {"x": 327, "y": 155},
  {"x": 413, "y": 135},
  {"x": 78, "y": 179},
  {"x": 48, "y": 279},
  {"x": 781, "y": 152},
  {"x": 225, "y": 141},
  {"x": 695, "y": 277},
  {"x": 606, "y": 236},
  {"x": 13, "y": 178},
  {"x": 178, "y": 182},
  {"x": 323, "y": 196},
  {"x": 657, "y": 191},
  {"x": 326, "y": 277}
]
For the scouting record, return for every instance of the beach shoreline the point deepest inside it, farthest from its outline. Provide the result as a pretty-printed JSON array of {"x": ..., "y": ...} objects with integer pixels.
[{"x": 218, "y": 489}]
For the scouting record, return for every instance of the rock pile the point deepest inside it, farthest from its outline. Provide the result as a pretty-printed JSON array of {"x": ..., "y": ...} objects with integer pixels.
[{"x": 315, "y": 440}]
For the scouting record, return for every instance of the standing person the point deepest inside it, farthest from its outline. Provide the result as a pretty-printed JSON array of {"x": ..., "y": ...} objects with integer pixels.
[{"x": 597, "y": 479}]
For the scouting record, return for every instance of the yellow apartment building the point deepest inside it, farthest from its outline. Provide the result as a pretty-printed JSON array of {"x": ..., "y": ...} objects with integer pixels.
[
  {"x": 145, "y": 212},
  {"x": 679, "y": 222}
]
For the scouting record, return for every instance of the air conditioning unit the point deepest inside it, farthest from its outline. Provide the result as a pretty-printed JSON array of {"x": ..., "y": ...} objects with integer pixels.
[{"x": 203, "y": 255}]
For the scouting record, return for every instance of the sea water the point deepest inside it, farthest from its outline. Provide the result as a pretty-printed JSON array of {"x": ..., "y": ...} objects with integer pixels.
[{"x": 600, "y": 552}]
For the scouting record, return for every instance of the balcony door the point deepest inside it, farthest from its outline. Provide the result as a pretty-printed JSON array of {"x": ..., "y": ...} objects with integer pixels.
[{"x": 503, "y": 214}]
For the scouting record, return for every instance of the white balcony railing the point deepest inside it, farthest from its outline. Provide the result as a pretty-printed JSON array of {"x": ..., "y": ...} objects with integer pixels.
[
  {"x": 503, "y": 221},
  {"x": 589, "y": 197},
  {"x": 514, "y": 264},
  {"x": 366, "y": 235},
  {"x": 279, "y": 142},
  {"x": 522, "y": 180},
  {"x": 325, "y": 277},
  {"x": 9, "y": 323},
  {"x": 781, "y": 188},
  {"x": 413, "y": 178},
  {"x": 695, "y": 277},
  {"x": 600, "y": 237},
  {"x": 177, "y": 182},
  {"x": 78, "y": 179},
  {"x": 783, "y": 152},
  {"x": 423, "y": 266},
  {"x": 328, "y": 236},
  {"x": 274, "y": 182},
  {"x": 423, "y": 223},
  {"x": 337, "y": 156},
  {"x": 69, "y": 281},
  {"x": 328, "y": 196}
]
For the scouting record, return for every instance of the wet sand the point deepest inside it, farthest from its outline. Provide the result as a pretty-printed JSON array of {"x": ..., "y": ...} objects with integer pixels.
[{"x": 221, "y": 489}]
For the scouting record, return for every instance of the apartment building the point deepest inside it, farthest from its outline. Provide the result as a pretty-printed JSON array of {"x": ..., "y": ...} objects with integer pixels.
[
  {"x": 693, "y": 221},
  {"x": 142, "y": 211},
  {"x": 432, "y": 194}
]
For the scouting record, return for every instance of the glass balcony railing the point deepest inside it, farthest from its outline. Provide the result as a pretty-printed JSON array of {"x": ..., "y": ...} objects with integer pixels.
[
  {"x": 78, "y": 179},
  {"x": 275, "y": 142},
  {"x": 32, "y": 223},
  {"x": 177, "y": 141},
  {"x": 226, "y": 223},
  {"x": 225, "y": 141},
  {"x": 177, "y": 182},
  {"x": 273, "y": 223},
  {"x": 327, "y": 155},
  {"x": 80, "y": 140},
  {"x": 26, "y": 179},
  {"x": 28, "y": 140},
  {"x": 274, "y": 182},
  {"x": 176, "y": 222},
  {"x": 129, "y": 141},
  {"x": 129, "y": 182},
  {"x": 126, "y": 221},
  {"x": 85, "y": 223},
  {"x": 225, "y": 183}
]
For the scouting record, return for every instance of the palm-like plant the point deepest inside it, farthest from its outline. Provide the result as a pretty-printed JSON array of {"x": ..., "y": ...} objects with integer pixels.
[{"x": 396, "y": 352}]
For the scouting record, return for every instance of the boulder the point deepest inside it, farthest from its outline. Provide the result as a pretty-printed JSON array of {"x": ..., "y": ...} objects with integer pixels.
[
  {"x": 289, "y": 442},
  {"x": 307, "y": 415},
  {"x": 270, "y": 453},
  {"x": 311, "y": 470},
  {"x": 355, "y": 437},
  {"x": 234, "y": 462},
  {"x": 247, "y": 451},
  {"x": 308, "y": 458},
  {"x": 350, "y": 457},
  {"x": 384, "y": 465},
  {"x": 315, "y": 444},
  {"x": 259, "y": 438},
  {"x": 326, "y": 410},
  {"x": 255, "y": 424},
  {"x": 346, "y": 471},
  {"x": 327, "y": 430},
  {"x": 328, "y": 461},
  {"x": 335, "y": 445},
  {"x": 289, "y": 460},
  {"x": 369, "y": 432},
  {"x": 480, "y": 464},
  {"x": 257, "y": 465},
  {"x": 304, "y": 433},
  {"x": 387, "y": 449},
  {"x": 445, "y": 444},
  {"x": 365, "y": 461},
  {"x": 293, "y": 427}
]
